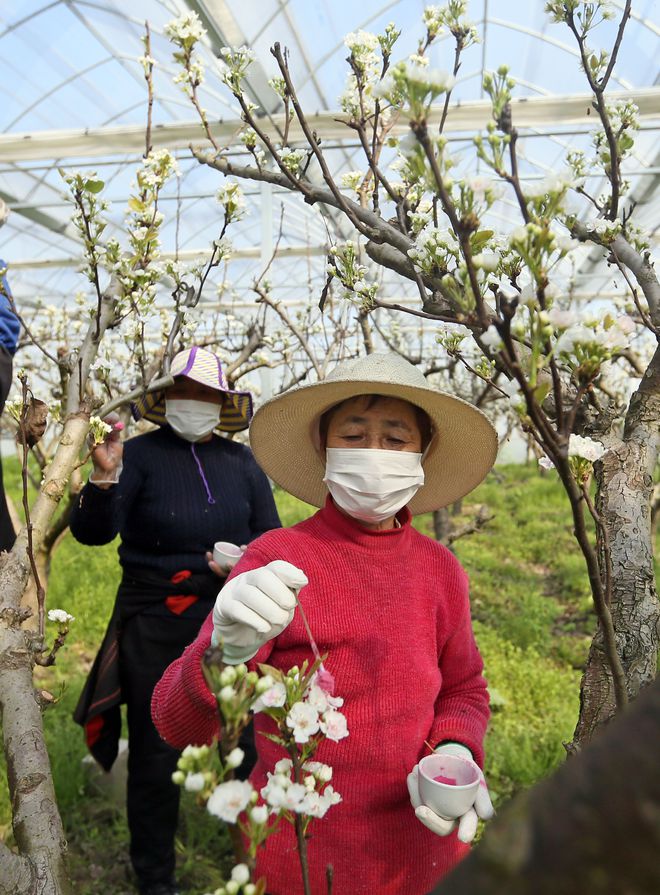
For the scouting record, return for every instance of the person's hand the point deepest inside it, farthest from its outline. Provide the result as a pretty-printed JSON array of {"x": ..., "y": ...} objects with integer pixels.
[
  {"x": 254, "y": 607},
  {"x": 467, "y": 823},
  {"x": 222, "y": 570},
  {"x": 107, "y": 456}
]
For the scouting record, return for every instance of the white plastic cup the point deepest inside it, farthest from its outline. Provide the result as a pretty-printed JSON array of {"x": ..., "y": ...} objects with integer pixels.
[
  {"x": 226, "y": 554},
  {"x": 448, "y": 800}
]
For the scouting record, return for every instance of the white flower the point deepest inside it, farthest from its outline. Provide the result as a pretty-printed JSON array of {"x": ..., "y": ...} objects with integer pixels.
[
  {"x": 317, "y": 804},
  {"x": 294, "y": 796},
  {"x": 226, "y": 694},
  {"x": 273, "y": 697},
  {"x": 241, "y": 874},
  {"x": 333, "y": 725},
  {"x": 194, "y": 782},
  {"x": 259, "y": 814},
  {"x": 229, "y": 799},
  {"x": 625, "y": 324},
  {"x": 491, "y": 338},
  {"x": 322, "y": 772},
  {"x": 575, "y": 335},
  {"x": 487, "y": 261},
  {"x": 351, "y": 180},
  {"x": 59, "y": 615},
  {"x": 586, "y": 448},
  {"x": 483, "y": 188},
  {"x": 562, "y": 319},
  {"x": 273, "y": 793},
  {"x": 284, "y": 766},
  {"x": 313, "y": 805},
  {"x": 546, "y": 463},
  {"x": 303, "y": 720},
  {"x": 511, "y": 388},
  {"x": 187, "y": 26},
  {"x": 235, "y": 758}
]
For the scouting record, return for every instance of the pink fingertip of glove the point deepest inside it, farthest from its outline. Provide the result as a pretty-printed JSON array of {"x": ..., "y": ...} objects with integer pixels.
[
  {"x": 118, "y": 427},
  {"x": 325, "y": 680}
]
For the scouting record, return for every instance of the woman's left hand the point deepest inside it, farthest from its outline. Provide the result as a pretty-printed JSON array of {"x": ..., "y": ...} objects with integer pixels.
[
  {"x": 467, "y": 823},
  {"x": 224, "y": 570}
]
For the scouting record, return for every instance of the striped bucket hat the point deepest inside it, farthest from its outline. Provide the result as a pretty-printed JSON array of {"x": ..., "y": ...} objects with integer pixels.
[{"x": 203, "y": 366}]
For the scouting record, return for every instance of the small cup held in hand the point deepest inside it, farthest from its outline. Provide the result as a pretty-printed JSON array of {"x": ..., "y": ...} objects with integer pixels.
[
  {"x": 448, "y": 784},
  {"x": 225, "y": 554}
]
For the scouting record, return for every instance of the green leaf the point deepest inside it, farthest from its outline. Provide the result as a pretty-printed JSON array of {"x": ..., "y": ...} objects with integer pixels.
[
  {"x": 135, "y": 204},
  {"x": 480, "y": 239},
  {"x": 93, "y": 186},
  {"x": 542, "y": 391}
]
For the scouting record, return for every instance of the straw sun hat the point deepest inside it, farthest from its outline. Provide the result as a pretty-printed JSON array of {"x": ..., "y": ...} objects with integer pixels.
[
  {"x": 202, "y": 366},
  {"x": 284, "y": 431}
]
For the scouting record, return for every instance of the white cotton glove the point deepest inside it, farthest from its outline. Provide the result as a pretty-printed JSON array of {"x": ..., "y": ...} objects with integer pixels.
[
  {"x": 467, "y": 823},
  {"x": 254, "y": 607}
]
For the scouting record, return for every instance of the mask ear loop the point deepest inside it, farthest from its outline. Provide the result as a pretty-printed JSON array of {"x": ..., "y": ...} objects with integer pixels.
[{"x": 432, "y": 440}]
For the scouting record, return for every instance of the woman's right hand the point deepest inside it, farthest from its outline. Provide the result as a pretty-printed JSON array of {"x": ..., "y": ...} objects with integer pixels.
[{"x": 107, "y": 456}]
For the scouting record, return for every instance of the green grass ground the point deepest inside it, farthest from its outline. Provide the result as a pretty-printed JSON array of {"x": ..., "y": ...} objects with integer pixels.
[{"x": 533, "y": 622}]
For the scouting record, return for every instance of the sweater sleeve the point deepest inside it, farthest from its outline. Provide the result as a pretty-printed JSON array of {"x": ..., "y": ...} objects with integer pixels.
[
  {"x": 461, "y": 709},
  {"x": 97, "y": 515},
  {"x": 264, "y": 515},
  {"x": 183, "y": 708}
]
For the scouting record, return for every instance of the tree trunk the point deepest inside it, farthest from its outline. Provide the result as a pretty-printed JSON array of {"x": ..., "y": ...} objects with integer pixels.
[
  {"x": 624, "y": 502},
  {"x": 592, "y": 828},
  {"x": 442, "y": 525},
  {"x": 39, "y": 868}
]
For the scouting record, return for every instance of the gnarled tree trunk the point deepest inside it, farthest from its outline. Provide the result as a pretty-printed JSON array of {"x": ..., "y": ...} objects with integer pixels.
[{"x": 624, "y": 501}]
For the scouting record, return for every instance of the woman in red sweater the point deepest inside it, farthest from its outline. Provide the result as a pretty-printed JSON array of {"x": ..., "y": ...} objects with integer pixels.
[{"x": 388, "y": 605}]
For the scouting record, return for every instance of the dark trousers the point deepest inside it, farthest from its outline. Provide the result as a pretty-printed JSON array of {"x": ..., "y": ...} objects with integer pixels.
[{"x": 148, "y": 644}]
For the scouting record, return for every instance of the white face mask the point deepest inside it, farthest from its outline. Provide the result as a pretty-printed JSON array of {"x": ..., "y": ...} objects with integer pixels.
[
  {"x": 192, "y": 420},
  {"x": 371, "y": 484}
]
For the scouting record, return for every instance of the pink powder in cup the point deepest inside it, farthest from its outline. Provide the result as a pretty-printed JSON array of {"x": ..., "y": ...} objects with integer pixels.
[{"x": 448, "y": 781}]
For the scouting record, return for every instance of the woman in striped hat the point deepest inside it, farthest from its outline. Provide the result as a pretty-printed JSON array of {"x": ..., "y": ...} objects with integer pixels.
[{"x": 170, "y": 494}]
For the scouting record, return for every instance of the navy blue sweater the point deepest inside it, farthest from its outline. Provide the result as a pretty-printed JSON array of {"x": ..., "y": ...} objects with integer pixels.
[{"x": 160, "y": 505}]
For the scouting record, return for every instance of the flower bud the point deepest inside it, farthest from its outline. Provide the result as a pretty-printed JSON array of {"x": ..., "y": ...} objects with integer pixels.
[
  {"x": 235, "y": 758},
  {"x": 240, "y": 874},
  {"x": 228, "y": 675}
]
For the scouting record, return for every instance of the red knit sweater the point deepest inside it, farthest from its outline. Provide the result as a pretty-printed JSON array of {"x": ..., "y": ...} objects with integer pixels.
[{"x": 391, "y": 609}]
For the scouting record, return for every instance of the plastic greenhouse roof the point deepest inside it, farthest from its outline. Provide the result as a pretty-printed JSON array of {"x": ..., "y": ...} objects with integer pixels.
[{"x": 74, "y": 95}]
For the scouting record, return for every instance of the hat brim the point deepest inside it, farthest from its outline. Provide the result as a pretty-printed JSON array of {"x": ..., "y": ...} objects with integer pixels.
[{"x": 461, "y": 453}]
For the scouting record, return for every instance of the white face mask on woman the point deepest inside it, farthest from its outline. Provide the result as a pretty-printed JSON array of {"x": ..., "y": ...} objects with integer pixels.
[
  {"x": 192, "y": 420},
  {"x": 370, "y": 484}
]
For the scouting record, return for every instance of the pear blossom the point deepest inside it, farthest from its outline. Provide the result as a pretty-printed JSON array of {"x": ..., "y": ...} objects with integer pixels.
[
  {"x": 194, "y": 782},
  {"x": 303, "y": 720},
  {"x": 241, "y": 874},
  {"x": 235, "y": 758},
  {"x": 587, "y": 448},
  {"x": 259, "y": 814},
  {"x": 575, "y": 335},
  {"x": 60, "y": 616},
  {"x": 283, "y": 766},
  {"x": 322, "y": 772},
  {"x": 562, "y": 319},
  {"x": 229, "y": 799},
  {"x": 273, "y": 697},
  {"x": 487, "y": 261},
  {"x": 333, "y": 725},
  {"x": 491, "y": 338},
  {"x": 546, "y": 463}
]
